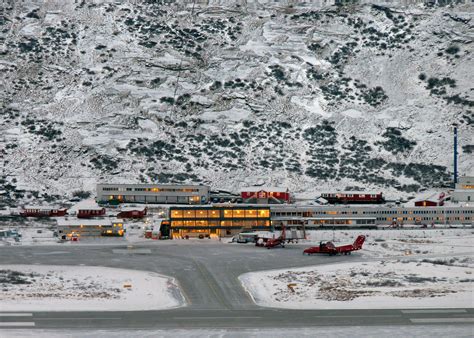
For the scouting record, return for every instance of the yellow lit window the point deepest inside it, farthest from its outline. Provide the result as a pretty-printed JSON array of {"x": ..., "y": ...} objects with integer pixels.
[
  {"x": 201, "y": 213},
  {"x": 213, "y": 213},
  {"x": 251, "y": 213},
  {"x": 176, "y": 223},
  {"x": 264, "y": 213},
  {"x": 189, "y": 214},
  {"x": 228, "y": 213},
  {"x": 238, "y": 213},
  {"x": 177, "y": 214},
  {"x": 332, "y": 212}
]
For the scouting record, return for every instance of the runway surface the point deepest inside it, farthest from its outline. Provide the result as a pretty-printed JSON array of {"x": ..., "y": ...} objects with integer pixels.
[{"x": 208, "y": 276}]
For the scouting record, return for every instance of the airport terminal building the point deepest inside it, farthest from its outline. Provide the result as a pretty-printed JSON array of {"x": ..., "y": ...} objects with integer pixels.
[
  {"x": 152, "y": 193},
  {"x": 222, "y": 221},
  {"x": 369, "y": 216}
]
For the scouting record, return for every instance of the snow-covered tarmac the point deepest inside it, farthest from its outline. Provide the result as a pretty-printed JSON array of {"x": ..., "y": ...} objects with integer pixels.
[
  {"x": 370, "y": 285},
  {"x": 418, "y": 268},
  {"x": 83, "y": 288}
]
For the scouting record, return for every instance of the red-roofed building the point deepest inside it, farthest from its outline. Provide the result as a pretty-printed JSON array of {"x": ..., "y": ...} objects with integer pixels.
[
  {"x": 87, "y": 209},
  {"x": 435, "y": 200},
  {"x": 132, "y": 212},
  {"x": 266, "y": 195},
  {"x": 42, "y": 211}
]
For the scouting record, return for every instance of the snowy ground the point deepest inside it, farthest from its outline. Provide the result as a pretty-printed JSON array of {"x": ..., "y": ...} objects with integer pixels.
[
  {"x": 371, "y": 331},
  {"x": 417, "y": 268},
  {"x": 387, "y": 284},
  {"x": 395, "y": 242},
  {"x": 81, "y": 288}
]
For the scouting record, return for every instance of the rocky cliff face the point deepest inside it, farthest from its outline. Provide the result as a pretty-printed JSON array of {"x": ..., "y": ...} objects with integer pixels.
[{"x": 306, "y": 97}]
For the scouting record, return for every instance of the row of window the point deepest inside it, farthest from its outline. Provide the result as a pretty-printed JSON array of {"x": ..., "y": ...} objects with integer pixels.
[
  {"x": 439, "y": 218},
  {"x": 226, "y": 213},
  {"x": 156, "y": 199},
  {"x": 151, "y": 189},
  {"x": 378, "y": 212},
  {"x": 350, "y": 195},
  {"x": 217, "y": 223}
]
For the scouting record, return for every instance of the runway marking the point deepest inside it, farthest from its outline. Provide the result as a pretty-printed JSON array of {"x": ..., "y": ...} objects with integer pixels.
[
  {"x": 51, "y": 253},
  {"x": 20, "y": 314},
  {"x": 441, "y": 320},
  {"x": 77, "y": 318},
  {"x": 355, "y": 316},
  {"x": 17, "y": 323},
  {"x": 214, "y": 317},
  {"x": 434, "y": 311}
]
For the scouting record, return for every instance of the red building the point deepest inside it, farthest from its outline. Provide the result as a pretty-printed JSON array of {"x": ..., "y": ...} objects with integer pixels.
[
  {"x": 435, "y": 200},
  {"x": 353, "y": 197},
  {"x": 87, "y": 209},
  {"x": 90, "y": 212},
  {"x": 132, "y": 212},
  {"x": 42, "y": 211},
  {"x": 266, "y": 195}
]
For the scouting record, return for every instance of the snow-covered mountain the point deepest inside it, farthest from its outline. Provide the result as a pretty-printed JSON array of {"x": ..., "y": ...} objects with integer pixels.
[{"x": 232, "y": 94}]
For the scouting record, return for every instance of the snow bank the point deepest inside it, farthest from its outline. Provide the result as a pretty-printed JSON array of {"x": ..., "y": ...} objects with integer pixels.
[
  {"x": 85, "y": 288},
  {"x": 395, "y": 242},
  {"x": 377, "y": 285}
]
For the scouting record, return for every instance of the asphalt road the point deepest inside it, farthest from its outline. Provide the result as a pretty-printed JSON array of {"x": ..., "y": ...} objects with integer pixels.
[{"x": 208, "y": 275}]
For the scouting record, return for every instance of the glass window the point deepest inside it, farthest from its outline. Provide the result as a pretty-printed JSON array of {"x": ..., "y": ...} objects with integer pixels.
[
  {"x": 262, "y": 223},
  {"x": 213, "y": 213},
  {"x": 227, "y": 213},
  {"x": 194, "y": 199},
  {"x": 249, "y": 224},
  {"x": 213, "y": 223},
  {"x": 264, "y": 213},
  {"x": 176, "y": 214},
  {"x": 189, "y": 223},
  {"x": 251, "y": 213},
  {"x": 176, "y": 223},
  {"x": 238, "y": 223},
  {"x": 238, "y": 213},
  {"x": 201, "y": 213},
  {"x": 226, "y": 223},
  {"x": 201, "y": 223},
  {"x": 189, "y": 214}
]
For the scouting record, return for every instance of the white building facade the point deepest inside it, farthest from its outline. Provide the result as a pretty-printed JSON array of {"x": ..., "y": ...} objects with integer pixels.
[{"x": 153, "y": 193}]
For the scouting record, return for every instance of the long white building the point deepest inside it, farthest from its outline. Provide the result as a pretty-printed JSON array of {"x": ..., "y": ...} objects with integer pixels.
[
  {"x": 371, "y": 215},
  {"x": 464, "y": 190},
  {"x": 153, "y": 193}
]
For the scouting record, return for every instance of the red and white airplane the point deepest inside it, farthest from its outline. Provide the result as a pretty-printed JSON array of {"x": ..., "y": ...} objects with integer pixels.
[
  {"x": 274, "y": 242},
  {"x": 331, "y": 249}
]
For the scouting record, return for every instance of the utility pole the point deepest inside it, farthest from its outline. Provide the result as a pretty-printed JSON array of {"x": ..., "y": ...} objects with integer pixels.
[{"x": 455, "y": 178}]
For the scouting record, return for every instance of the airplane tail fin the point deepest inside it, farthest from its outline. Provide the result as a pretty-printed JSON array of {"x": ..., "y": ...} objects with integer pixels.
[{"x": 359, "y": 241}]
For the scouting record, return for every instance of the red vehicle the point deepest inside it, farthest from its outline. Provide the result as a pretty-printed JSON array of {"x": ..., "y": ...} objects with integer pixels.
[
  {"x": 273, "y": 242},
  {"x": 331, "y": 249}
]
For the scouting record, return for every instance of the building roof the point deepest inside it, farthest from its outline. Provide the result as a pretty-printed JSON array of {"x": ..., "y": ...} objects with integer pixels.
[
  {"x": 432, "y": 198},
  {"x": 132, "y": 208},
  {"x": 84, "y": 222},
  {"x": 85, "y": 205},
  {"x": 151, "y": 185},
  {"x": 268, "y": 189},
  {"x": 41, "y": 207},
  {"x": 354, "y": 192}
]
